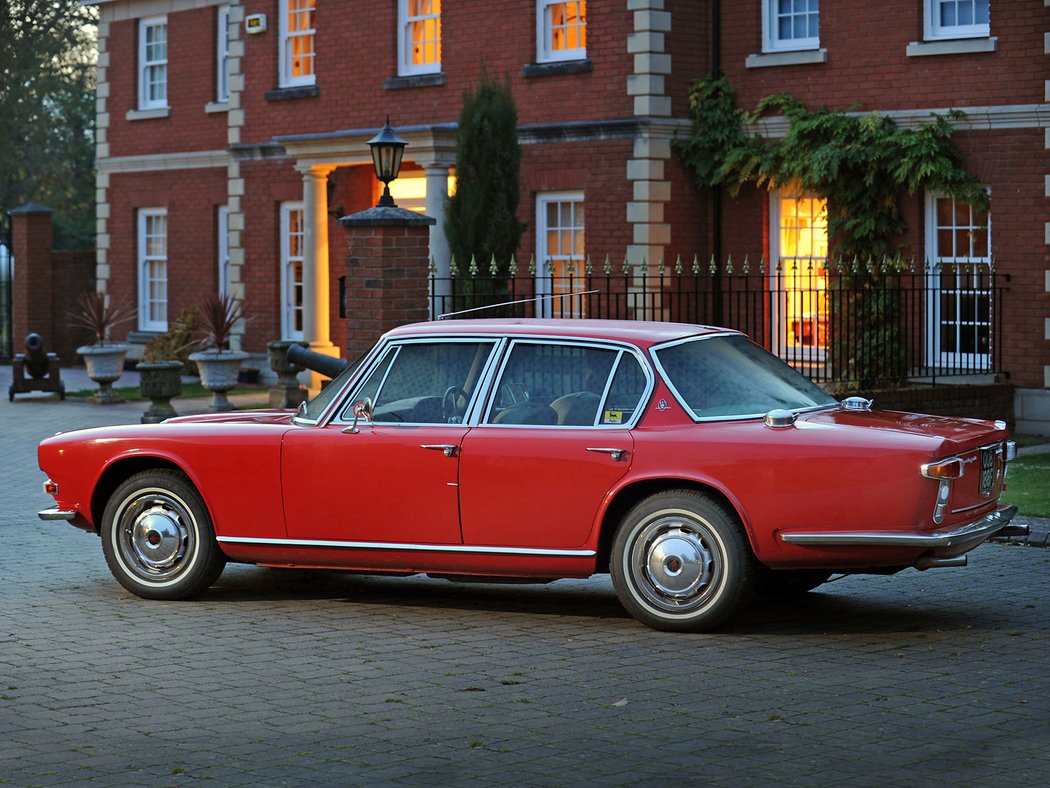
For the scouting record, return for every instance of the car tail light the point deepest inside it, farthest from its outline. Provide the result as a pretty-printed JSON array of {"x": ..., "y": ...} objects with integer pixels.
[
  {"x": 945, "y": 469},
  {"x": 51, "y": 488}
]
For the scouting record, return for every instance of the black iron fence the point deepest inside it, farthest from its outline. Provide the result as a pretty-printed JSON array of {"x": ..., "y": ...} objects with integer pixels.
[{"x": 843, "y": 324}]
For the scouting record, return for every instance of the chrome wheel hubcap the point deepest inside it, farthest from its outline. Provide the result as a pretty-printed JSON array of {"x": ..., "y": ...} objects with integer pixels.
[
  {"x": 676, "y": 563},
  {"x": 155, "y": 535}
]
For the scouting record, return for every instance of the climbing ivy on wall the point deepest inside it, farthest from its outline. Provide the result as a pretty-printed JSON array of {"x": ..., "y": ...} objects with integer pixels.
[{"x": 860, "y": 163}]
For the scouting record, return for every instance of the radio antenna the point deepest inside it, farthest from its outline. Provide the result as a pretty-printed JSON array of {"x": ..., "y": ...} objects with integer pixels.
[{"x": 537, "y": 299}]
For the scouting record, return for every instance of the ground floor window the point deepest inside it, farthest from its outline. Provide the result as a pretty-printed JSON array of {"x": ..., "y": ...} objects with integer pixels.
[
  {"x": 153, "y": 269},
  {"x": 799, "y": 251},
  {"x": 293, "y": 238},
  {"x": 560, "y": 254},
  {"x": 959, "y": 308},
  {"x": 223, "y": 251}
]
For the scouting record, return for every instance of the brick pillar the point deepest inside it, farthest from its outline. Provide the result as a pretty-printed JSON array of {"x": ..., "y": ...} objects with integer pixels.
[
  {"x": 32, "y": 297},
  {"x": 387, "y": 273}
]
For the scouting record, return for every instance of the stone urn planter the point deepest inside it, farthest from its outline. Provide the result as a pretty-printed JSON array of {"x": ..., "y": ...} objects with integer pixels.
[
  {"x": 287, "y": 393},
  {"x": 105, "y": 365},
  {"x": 219, "y": 370},
  {"x": 160, "y": 381}
]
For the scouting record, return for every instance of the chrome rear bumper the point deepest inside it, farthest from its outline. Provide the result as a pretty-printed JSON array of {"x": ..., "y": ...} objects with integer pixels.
[{"x": 943, "y": 543}]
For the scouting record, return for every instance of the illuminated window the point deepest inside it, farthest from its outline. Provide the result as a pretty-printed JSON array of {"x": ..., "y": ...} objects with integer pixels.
[
  {"x": 958, "y": 242},
  {"x": 790, "y": 25},
  {"x": 153, "y": 269},
  {"x": 799, "y": 245},
  {"x": 561, "y": 31},
  {"x": 419, "y": 42},
  {"x": 956, "y": 19},
  {"x": 410, "y": 190},
  {"x": 297, "y": 43},
  {"x": 293, "y": 240},
  {"x": 560, "y": 254},
  {"x": 222, "y": 54},
  {"x": 153, "y": 63}
]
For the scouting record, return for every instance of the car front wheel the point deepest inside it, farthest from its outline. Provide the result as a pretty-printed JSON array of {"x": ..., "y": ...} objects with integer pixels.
[
  {"x": 158, "y": 537},
  {"x": 680, "y": 562}
]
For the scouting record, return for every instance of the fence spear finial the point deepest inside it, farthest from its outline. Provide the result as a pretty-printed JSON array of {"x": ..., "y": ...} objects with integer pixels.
[
  {"x": 453, "y": 269},
  {"x": 608, "y": 264},
  {"x": 678, "y": 264},
  {"x": 747, "y": 265},
  {"x": 712, "y": 267},
  {"x": 512, "y": 266},
  {"x": 532, "y": 266},
  {"x": 588, "y": 269},
  {"x": 493, "y": 265},
  {"x": 473, "y": 267}
]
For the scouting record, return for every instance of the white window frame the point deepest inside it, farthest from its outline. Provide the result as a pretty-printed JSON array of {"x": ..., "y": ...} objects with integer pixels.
[
  {"x": 152, "y": 272},
  {"x": 934, "y": 31},
  {"x": 545, "y": 52},
  {"x": 778, "y": 283},
  {"x": 771, "y": 40},
  {"x": 936, "y": 355},
  {"x": 222, "y": 55},
  {"x": 561, "y": 307},
  {"x": 286, "y": 79},
  {"x": 146, "y": 65},
  {"x": 405, "y": 23},
  {"x": 289, "y": 286},
  {"x": 223, "y": 249}
]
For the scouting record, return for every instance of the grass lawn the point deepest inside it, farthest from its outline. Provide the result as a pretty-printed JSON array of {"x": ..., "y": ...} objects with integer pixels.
[
  {"x": 1028, "y": 485},
  {"x": 132, "y": 393}
]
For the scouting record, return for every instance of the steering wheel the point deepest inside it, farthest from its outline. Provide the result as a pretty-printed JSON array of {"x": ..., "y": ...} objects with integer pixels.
[{"x": 450, "y": 409}]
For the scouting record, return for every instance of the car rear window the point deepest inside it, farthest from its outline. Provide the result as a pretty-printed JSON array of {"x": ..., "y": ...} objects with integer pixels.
[{"x": 729, "y": 376}]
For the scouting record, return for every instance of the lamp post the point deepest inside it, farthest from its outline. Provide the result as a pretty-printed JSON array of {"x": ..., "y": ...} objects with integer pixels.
[{"x": 387, "y": 149}]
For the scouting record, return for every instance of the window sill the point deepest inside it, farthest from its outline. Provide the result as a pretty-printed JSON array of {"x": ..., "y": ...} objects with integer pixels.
[
  {"x": 217, "y": 106},
  {"x": 797, "y": 58},
  {"x": 148, "y": 114},
  {"x": 959, "y": 46},
  {"x": 414, "y": 81},
  {"x": 558, "y": 67},
  {"x": 297, "y": 92}
]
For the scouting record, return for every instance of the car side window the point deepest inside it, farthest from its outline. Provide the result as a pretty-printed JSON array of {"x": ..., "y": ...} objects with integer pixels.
[
  {"x": 625, "y": 393},
  {"x": 424, "y": 382},
  {"x": 554, "y": 384}
]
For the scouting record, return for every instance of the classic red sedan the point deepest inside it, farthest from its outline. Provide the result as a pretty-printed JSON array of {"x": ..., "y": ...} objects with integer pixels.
[{"x": 686, "y": 461}]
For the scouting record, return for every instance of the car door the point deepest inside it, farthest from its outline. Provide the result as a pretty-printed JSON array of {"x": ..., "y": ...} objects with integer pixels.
[
  {"x": 395, "y": 479},
  {"x": 552, "y": 441}
]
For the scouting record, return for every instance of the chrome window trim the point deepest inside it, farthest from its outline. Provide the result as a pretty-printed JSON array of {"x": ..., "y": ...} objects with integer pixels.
[
  {"x": 363, "y": 368},
  {"x": 620, "y": 347},
  {"x": 653, "y": 352},
  {"x": 396, "y": 343},
  {"x": 407, "y": 546}
]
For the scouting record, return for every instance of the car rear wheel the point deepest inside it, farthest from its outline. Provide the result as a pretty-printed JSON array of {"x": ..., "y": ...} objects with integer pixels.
[
  {"x": 158, "y": 537},
  {"x": 680, "y": 562}
]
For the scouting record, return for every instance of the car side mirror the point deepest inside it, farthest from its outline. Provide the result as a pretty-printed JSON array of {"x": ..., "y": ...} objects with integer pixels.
[{"x": 361, "y": 410}]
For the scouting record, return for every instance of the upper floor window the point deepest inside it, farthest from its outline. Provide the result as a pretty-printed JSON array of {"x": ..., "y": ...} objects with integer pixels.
[
  {"x": 153, "y": 63},
  {"x": 419, "y": 39},
  {"x": 297, "y": 43},
  {"x": 222, "y": 55},
  {"x": 790, "y": 25},
  {"x": 561, "y": 31},
  {"x": 956, "y": 19}
]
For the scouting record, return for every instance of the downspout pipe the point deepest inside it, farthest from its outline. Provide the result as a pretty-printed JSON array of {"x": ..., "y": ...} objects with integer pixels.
[{"x": 716, "y": 191}]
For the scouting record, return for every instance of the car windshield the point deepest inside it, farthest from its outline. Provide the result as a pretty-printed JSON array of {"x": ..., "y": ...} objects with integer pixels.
[{"x": 728, "y": 376}]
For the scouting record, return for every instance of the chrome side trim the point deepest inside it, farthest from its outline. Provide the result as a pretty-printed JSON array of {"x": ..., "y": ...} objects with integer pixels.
[
  {"x": 54, "y": 513},
  {"x": 427, "y": 548},
  {"x": 976, "y": 531}
]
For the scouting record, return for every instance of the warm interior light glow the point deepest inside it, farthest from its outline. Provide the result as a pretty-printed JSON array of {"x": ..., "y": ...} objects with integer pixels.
[
  {"x": 410, "y": 190},
  {"x": 803, "y": 256}
]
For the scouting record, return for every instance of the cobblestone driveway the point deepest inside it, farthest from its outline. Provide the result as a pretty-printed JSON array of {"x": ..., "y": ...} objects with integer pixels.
[{"x": 289, "y": 678}]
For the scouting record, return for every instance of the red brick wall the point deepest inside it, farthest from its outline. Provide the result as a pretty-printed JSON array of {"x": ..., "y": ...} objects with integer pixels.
[{"x": 191, "y": 85}]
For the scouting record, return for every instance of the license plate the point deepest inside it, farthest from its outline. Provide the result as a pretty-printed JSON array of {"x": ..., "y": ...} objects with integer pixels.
[{"x": 987, "y": 470}]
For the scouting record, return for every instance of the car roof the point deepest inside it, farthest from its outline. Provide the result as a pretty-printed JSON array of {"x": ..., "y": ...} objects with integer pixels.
[{"x": 639, "y": 332}]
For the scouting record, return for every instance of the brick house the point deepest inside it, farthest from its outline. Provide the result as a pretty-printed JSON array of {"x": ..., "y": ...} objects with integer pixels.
[{"x": 231, "y": 135}]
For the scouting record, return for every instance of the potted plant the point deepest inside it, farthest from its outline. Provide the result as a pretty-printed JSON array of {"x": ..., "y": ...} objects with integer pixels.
[
  {"x": 218, "y": 365},
  {"x": 104, "y": 358},
  {"x": 163, "y": 363}
]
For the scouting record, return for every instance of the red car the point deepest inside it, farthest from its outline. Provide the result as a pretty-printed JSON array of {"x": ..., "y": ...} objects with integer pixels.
[{"x": 687, "y": 462}]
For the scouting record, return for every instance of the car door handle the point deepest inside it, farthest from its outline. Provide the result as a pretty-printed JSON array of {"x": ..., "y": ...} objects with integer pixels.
[
  {"x": 448, "y": 448},
  {"x": 612, "y": 451}
]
